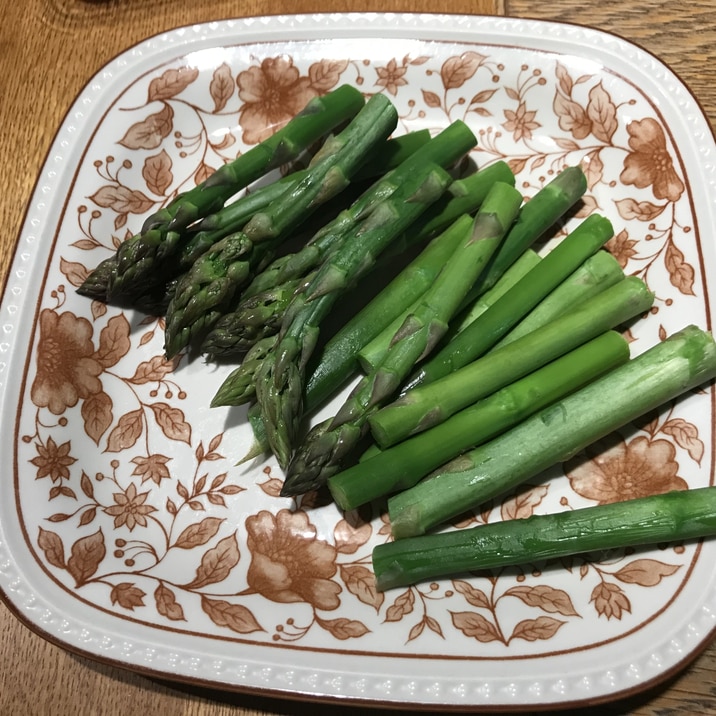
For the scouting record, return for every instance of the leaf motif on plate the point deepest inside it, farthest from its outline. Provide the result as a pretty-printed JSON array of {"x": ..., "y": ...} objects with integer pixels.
[
  {"x": 127, "y": 431},
  {"x": 681, "y": 273},
  {"x": 344, "y": 628},
  {"x": 403, "y": 604},
  {"x": 172, "y": 422},
  {"x": 51, "y": 544},
  {"x": 536, "y": 629},
  {"x": 122, "y": 199},
  {"x": 222, "y": 86},
  {"x": 86, "y": 554},
  {"x": 114, "y": 341},
  {"x": 610, "y": 600},
  {"x": 475, "y": 625},
  {"x": 474, "y": 596},
  {"x": 686, "y": 435},
  {"x": 171, "y": 83},
  {"x": 360, "y": 581},
  {"x": 349, "y": 538},
  {"x": 545, "y": 597},
  {"x": 198, "y": 533},
  {"x": 167, "y": 605},
  {"x": 603, "y": 114},
  {"x": 157, "y": 172},
  {"x": 233, "y": 616},
  {"x": 523, "y": 503},
  {"x": 127, "y": 595},
  {"x": 151, "y": 131},
  {"x": 455, "y": 71},
  {"x": 75, "y": 272},
  {"x": 216, "y": 563},
  {"x": 153, "y": 370},
  {"x": 645, "y": 572},
  {"x": 97, "y": 415},
  {"x": 326, "y": 74}
]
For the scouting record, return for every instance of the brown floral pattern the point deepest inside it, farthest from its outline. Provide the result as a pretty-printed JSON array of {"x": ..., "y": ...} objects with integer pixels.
[{"x": 145, "y": 503}]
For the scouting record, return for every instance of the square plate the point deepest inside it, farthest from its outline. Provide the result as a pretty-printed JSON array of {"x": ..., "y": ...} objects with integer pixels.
[{"x": 128, "y": 534}]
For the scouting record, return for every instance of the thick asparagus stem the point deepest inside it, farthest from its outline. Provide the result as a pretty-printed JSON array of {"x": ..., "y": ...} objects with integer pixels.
[
  {"x": 683, "y": 361},
  {"x": 483, "y": 333},
  {"x": 136, "y": 258},
  {"x": 432, "y": 403},
  {"x": 642, "y": 521},
  {"x": 326, "y": 445},
  {"x": 403, "y": 465},
  {"x": 205, "y": 292},
  {"x": 280, "y": 380}
]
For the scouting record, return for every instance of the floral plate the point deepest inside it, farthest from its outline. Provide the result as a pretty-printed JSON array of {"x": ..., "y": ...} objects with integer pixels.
[{"x": 128, "y": 533}]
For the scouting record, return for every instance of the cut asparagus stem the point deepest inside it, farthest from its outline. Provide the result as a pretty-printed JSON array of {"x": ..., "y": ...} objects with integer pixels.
[
  {"x": 642, "y": 521},
  {"x": 432, "y": 403},
  {"x": 327, "y": 444},
  {"x": 598, "y": 273},
  {"x": 403, "y": 465},
  {"x": 683, "y": 361},
  {"x": 136, "y": 258},
  {"x": 505, "y": 313}
]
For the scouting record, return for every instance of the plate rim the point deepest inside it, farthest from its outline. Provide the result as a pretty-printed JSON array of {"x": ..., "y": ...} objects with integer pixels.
[{"x": 183, "y": 45}]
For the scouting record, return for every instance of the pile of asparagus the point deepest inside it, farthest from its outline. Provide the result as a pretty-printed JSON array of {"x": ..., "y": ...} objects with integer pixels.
[{"x": 478, "y": 365}]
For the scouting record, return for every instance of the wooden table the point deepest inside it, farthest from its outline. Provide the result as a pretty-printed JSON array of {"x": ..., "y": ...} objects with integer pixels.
[{"x": 48, "y": 51}]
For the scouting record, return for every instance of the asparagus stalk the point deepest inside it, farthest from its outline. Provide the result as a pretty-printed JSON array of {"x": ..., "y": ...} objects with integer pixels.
[
  {"x": 642, "y": 521},
  {"x": 403, "y": 465},
  {"x": 206, "y": 291},
  {"x": 326, "y": 445},
  {"x": 596, "y": 274},
  {"x": 683, "y": 361},
  {"x": 507, "y": 311},
  {"x": 432, "y": 403},
  {"x": 540, "y": 213},
  {"x": 239, "y": 386},
  {"x": 463, "y": 196},
  {"x": 338, "y": 360},
  {"x": 280, "y": 379},
  {"x": 137, "y": 258}
]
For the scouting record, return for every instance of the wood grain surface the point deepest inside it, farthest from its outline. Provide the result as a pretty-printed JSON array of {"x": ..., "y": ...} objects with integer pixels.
[{"x": 49, "y": 49}]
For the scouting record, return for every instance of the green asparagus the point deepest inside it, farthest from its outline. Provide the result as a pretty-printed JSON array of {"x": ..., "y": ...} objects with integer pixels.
[
  {"x": 427, "y": 405},
  {"x": 321, "y": 453},
  {"x": 509, "y": 309},
  {"x": 213, "y": 281},
  {"x": 683, "y": 361},
  {"x": 403, "y": 465},
  {"x": 137, "y": 257},
  {"x": 280, "y": 379},
  {"x": 642, "y": 521}
]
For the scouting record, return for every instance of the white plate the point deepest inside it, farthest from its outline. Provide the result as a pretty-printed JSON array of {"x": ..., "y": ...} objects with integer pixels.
[{"x": 187, "y": 567}]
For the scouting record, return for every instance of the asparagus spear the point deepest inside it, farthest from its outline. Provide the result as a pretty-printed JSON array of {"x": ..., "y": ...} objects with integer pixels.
[
  {"x": 323, "y": 450},
  {"x": 507, "y": 311},
  {"x": 683, "y": 361},
  {"x": 403, "y": 465},
  {"x": 136, "y": 258},
  {"x": 432, "y": 403},
  {"x": 444, "y": 149},
  {"x": 239, "y": 386},
  {"x": 540, "y": 213},
  {"x": 204, "y": 293},
  {"x": 676, "y": 515},
  {"x": 280, "y": 379},
  {"x": 337, "y": 362}
]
